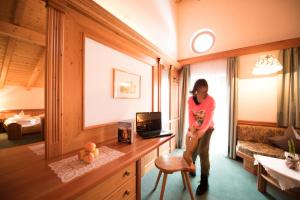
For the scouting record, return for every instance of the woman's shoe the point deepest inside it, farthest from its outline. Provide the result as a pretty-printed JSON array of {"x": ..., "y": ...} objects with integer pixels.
[{"x": 203, "y": 186}]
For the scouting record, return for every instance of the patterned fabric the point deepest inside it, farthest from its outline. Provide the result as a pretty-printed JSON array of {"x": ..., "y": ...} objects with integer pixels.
[
  {"x": 251, "y": 148},
  {"x": 258, "y": 134}
]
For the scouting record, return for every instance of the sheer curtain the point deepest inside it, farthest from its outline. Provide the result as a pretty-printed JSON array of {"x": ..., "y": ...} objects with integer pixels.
[
  {"x": 184, "y": 89},
  {"x": 289, "y": 86},
  {"x": 215, "y": 74},
  {"x": 232, "y": 73}
]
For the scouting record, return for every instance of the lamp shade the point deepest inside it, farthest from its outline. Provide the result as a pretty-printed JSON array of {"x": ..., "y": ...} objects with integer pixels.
[{"x": 266, "y": 64}]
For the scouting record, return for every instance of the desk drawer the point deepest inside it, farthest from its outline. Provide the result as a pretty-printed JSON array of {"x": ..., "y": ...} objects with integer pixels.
[
  {"x": 105, "y": 188},
  {"x": 126, "y": 191},
  {"x": 148, "y": 161},
  {"x": 164, "y": 149}
]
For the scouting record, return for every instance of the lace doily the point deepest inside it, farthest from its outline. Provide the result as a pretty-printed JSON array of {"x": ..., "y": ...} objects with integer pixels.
[
  {"x": 38, "y": 149},
  {"x": 70, "y": 168}
]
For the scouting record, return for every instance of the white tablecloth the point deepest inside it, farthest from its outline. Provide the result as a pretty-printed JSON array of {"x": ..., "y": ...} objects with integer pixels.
[
  {"x": 287, "y": 178},
  {"x": 70, "y": 168}
]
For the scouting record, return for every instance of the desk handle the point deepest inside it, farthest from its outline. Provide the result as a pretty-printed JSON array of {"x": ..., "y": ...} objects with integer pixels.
[
  {"x": 127, "y": 173},
  {"x": 126, "y": 193}
]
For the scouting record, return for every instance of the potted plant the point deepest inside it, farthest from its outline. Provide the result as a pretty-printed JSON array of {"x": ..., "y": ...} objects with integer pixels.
[{"x": 291, "y": 158}]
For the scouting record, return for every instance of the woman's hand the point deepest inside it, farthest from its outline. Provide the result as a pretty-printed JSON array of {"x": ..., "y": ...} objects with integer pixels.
[
  {"x": 200, "y": 134},
  {"x": 193, "y": 129}
]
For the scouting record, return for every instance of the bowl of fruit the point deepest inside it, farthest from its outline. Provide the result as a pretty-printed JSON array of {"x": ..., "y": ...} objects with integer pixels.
[{"x": 88, "y": 153}]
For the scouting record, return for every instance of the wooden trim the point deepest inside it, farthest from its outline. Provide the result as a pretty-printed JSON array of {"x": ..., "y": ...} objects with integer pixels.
[
  {"x": 245, "y": 156},
  {"x": 84, "y": 35},
  {"x": 54, "y": 57},
  {"x": 257, "y": 123},
  {"x": 37, "y": 70},
  {"x": 95, "y": 12},
  {"x": 6, "y": 61},
  {"x": 99, "y": 125},
  {"x": 170, "y": 96},
  {"x": 159, "y": 85},
  {"x": 139, "y": 179},
  {"x": 155, "y": 86},
  {"x": 283, "y": 44},
  {"x": 22, "y": 33},
  {"x": 19, "y": 12}
]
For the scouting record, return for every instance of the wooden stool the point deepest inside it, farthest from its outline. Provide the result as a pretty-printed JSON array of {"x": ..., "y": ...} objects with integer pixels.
[{"x": 168, "y": 165}]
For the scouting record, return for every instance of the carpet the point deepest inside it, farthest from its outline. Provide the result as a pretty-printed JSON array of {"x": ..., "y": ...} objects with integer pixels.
[
  {"x": 228, "y": 180},
  {"x": 26, "y": 139}
]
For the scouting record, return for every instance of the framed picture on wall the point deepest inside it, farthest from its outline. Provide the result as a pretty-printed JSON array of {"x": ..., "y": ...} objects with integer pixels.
[{"x": 126, "y": 85}]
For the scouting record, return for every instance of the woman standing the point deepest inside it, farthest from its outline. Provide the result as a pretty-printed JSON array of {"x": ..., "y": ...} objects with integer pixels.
[{"x": 201, "y": 110}]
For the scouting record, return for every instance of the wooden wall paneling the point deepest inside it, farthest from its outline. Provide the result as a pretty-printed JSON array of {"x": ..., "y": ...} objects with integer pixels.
[
  {"x": 21, "y": 33},
  {"x": 74, "y": 136},
  {"x": 7, "y": 59},
  {"x": 37, "y": 70},
  {"x": 54, "y": 65},
  {"x": 147, "y": 161},
  {"x": 80, "y": 17},
  {"x": 34, "y": 15},
  {"x": 112, "y": 39},
  {"x": 95, "y": 12},
  {"x": 295, "y": 42}
]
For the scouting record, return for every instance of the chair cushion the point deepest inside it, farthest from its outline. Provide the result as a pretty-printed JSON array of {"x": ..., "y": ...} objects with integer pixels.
[
  {"x": 251, "y": 148},
  {"x": 282, "y": 141}
]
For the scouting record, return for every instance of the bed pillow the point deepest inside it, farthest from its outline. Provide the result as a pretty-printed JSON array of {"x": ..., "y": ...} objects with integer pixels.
[{"x": 282, "y": 141}]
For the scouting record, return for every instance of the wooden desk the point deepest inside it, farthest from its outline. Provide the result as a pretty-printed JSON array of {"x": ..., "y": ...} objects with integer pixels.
[{"x": 24, "y": 175}]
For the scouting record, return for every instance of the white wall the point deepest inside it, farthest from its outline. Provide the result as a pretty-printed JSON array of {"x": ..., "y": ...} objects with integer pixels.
[
  {"x": 237, "y": 23},
  {"x": 156, "y": 20},
  {"x": 99, "y": 105},
  {"x": 257, "y": 95},
  {"x": 18, "y": 97}
]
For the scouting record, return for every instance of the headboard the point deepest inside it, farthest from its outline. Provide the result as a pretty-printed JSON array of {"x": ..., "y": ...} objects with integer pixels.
[{"x": 9, "y": 113}]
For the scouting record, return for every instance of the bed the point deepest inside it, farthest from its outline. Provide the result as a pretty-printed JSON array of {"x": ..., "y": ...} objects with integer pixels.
[{"x": 20, "y": 124}]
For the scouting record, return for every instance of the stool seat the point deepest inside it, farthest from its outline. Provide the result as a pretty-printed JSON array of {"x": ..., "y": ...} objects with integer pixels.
[{"x": 170, "y": 164}]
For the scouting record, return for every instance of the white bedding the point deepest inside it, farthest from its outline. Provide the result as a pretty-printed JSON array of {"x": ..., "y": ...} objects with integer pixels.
[{"x": 24, "y": 120}]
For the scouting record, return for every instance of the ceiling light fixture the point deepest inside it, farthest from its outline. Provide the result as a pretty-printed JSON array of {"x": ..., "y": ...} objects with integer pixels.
[
  {"x": 266, "y": 64},
  {"x": 202, "y": 40}
]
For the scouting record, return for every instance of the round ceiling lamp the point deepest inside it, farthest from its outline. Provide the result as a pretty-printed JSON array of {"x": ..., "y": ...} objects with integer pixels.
[{"x": 202, "y": 40}]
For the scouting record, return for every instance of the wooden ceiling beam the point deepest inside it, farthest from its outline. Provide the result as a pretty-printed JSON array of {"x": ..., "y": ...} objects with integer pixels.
[
  {"x": 22, "y": 33},
  {"x": 19, "y": 11},
  {"x": 7, "y": 58},
  {"x": 37, "y": 70}
]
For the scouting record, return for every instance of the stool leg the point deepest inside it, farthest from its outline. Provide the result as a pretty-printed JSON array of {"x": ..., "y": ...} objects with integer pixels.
[
  {"x": 183, "y": 180},
  {"x": 157, "y": 180},
  {"x": 187, "y": 178},
  {"x": 163, "y": 186}
]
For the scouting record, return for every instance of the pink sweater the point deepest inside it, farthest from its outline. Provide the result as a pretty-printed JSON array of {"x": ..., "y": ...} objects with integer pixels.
[{"x": 201, "y": 115}]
